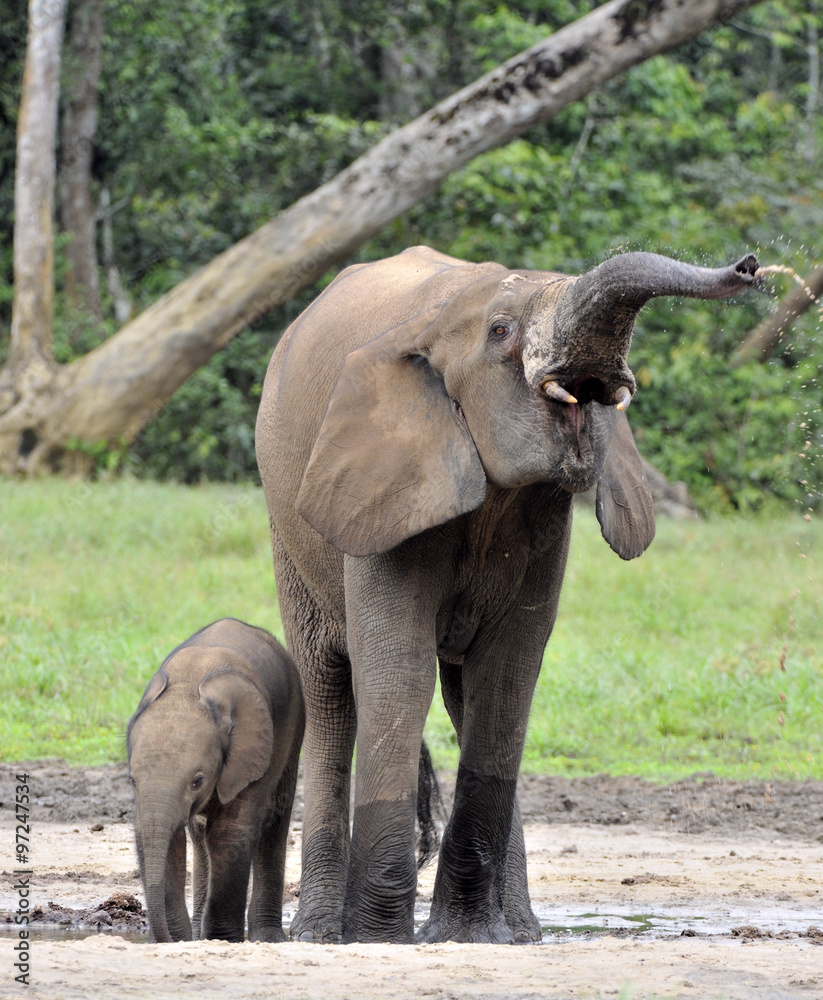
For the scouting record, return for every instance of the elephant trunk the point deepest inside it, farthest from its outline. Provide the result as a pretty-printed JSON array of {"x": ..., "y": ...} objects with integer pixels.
[
  {"x": 156, "y": 905},
  {"x": 155, "y": 838},
  {"x": 631, "y": 279},
  {"x": 606, "y": 299},
  {"x": 593, "y": 322}
]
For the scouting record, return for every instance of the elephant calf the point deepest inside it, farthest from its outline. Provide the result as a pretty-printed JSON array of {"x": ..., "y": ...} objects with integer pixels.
[{"x": 214, "y": 746}]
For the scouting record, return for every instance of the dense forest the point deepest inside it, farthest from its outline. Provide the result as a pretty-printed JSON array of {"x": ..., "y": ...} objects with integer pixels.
[{"x": 212, "y": 117}]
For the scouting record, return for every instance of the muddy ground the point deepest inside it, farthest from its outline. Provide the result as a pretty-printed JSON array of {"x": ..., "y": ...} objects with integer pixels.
[{"x": 701, "y": 889}]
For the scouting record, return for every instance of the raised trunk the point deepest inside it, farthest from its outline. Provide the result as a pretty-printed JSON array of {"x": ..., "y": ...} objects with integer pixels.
[{"x": 605, "y": 301}]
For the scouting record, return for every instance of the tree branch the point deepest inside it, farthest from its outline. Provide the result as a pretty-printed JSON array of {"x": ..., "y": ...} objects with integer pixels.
[
  {"x": 760, "y": 343},
  {"x": 114, "y": 391}
]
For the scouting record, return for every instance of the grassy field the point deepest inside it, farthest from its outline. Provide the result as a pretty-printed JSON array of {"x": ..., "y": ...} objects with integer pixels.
[{"x": 705, "y": 654}]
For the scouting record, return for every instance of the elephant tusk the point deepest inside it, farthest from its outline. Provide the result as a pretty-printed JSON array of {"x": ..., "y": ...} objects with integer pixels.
[
  {"x": 556, "y": 391},
  {"x": 622, "y": 398}
]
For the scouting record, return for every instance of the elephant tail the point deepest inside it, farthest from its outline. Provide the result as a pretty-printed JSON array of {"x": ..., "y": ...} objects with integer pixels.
[{"x": 430, "y": 810}]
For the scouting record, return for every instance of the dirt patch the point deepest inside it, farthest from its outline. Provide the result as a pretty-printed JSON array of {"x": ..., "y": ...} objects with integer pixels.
[
  {"x": 703, "y": 888},
  {"x": 120, "y": 912},
  {"x": 699, "y": 804},
  {"x": 702, "y": 803}
]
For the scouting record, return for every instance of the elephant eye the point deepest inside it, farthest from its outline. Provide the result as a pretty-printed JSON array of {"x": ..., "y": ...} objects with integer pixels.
[
  {"x": 198, "y": 780},
  {"x": 500, "y": 330}
]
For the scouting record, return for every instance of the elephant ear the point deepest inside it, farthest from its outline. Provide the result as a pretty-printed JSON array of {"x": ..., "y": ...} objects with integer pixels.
[
  {"x": 393, "y": 457},
  {"x": 625, "y": 508},
  {"x": 244, "y": 721}
]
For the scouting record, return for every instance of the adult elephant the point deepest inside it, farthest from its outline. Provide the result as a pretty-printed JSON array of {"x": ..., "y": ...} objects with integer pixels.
[{"x": 423, "y": 426}]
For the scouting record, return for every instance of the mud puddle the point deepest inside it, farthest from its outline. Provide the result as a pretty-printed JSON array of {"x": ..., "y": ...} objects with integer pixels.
[
  {"x": 744, "y": 923},
  {"x": 65, "y": 923}
]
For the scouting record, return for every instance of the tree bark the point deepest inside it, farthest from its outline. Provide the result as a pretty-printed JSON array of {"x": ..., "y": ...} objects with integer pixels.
[
  {"x": 406, "y": 69},
  {"x": 120, "y": 298},
  {"x": 112, "y": 392},
  {"x": 813, "y": 90},
  {"x": 33, "y": 305},
  {"x": 81, "y": 74},
  {"x": 761, "y": 342}
]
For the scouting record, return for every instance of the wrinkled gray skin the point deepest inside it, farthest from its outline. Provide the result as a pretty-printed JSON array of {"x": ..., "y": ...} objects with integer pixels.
[
  {"x": 214, "y": 746},
  {"x": 419, "y": 462}
]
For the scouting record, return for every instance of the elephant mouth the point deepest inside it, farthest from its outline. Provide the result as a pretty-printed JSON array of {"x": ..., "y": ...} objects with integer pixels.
[
  {"x": 569, "y": 399},
  {"x": 579, "y": 388},
  {"x": 576, "y": 422},
  {"x": 584, "y": 389},
  {"x": 587, "y": 388}
]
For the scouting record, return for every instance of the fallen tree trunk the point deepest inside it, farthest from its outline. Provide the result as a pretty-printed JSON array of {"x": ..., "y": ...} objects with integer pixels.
[
  {"x": 111, "y": 393},
  {"x": 762, "y": 341}
]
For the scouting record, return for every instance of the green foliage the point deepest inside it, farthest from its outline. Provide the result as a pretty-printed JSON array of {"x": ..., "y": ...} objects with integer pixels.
[
  {"x": 740, "y": 437},
  {"x": 214, "y": 116},
  {"x": 104, "y": 458},
  {"x": 705, "y": 655},
  {"x": 206, "y": 431}
]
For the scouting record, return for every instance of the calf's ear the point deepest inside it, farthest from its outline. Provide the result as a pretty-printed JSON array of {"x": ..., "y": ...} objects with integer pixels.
[{"x": 244, "y": 722}]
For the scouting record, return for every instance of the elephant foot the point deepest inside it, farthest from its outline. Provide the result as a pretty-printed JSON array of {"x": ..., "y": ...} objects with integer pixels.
[
  {"x": 317, "y": 936},
  {"x": 377, "y": 935},
  {"x": 272, "y": 935},
  {"x": 320, "y": 929},
  {"x": 233, "y": 937},
  {"x": 463, "y": 931},
  {"x": 525, "y": 926},
  {"x": 529, "y": 932}
]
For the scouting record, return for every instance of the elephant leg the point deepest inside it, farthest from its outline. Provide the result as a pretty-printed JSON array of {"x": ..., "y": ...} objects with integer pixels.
[
  {"x": 517, "y": 904},
  {"x": 177, "y": 916},
  {"x": 328, "y": 746},
  {"x": 266, "y": 905},
  {"x": 517, "y": 907},
  {"x": 391, "y": 642},
  {"x": 200, "y": 872},
  {"x": 498, "y": 679},
  {"x": 230, "y": 846},
  {"x": 451, "y": 687},
  {"x": 382, "y": 877}
]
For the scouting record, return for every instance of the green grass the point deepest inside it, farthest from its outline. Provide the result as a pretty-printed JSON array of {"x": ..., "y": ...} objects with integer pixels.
[
  {"x": 100, "y": 582},
  {"x": 705, "y": 654}
]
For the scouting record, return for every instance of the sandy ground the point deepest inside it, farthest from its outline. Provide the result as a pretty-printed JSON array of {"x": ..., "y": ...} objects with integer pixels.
[{"x": 641, "y": 901}]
